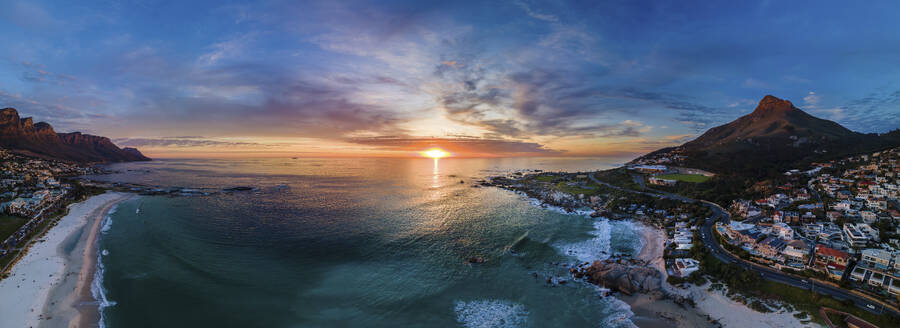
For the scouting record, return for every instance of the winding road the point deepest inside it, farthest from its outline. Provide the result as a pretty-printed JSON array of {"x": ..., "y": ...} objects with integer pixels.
[{"x": 709, "y": 240}]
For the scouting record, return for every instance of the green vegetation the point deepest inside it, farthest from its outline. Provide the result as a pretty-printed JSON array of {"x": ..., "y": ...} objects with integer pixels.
[
  {"x": 587, "y": 190},
  {"x": 748, "y": 283},
  {"x": 692, "y": 178},
  {"x": 836, "y": 319},
  {"x": 9, "y": 224},
  {"x": 618, "y": 177},
  {"x": 545, "y": 178}
]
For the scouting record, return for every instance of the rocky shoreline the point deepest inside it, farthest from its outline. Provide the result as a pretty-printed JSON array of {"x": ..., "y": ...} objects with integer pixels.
[{"x": 628, "y": 276}]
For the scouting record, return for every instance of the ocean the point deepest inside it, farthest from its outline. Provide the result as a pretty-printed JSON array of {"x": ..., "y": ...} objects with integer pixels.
[{"x": 351, "y": 243}]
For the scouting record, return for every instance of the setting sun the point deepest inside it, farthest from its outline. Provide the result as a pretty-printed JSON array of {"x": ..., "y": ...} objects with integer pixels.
[{"x": 435, "y": 153}]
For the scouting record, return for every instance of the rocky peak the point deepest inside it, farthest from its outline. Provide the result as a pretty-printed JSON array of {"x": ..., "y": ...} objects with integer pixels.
[
  {"x": 8, "y": 116},
  {"x": 772, "y": 104},
  {"x": 22, "y": 134},
  {"x": 43, "y": 127}
]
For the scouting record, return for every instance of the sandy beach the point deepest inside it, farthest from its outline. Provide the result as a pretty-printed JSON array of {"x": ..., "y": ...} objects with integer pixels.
[
  {"x": 47, "y": 286},
  {"x": 733, "y": 314},
  {"x": 655, "y": 311}
]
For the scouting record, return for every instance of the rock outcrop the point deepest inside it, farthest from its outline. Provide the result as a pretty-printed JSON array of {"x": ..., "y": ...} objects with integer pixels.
[
  {"x": 626, "y": 276},
  {"x": 23, "y": 135}
]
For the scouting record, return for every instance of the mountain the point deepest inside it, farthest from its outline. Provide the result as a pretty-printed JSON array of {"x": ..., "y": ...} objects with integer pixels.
[
  {"x": 23, "y": 135},
  {"x": 774, "y": 137}
]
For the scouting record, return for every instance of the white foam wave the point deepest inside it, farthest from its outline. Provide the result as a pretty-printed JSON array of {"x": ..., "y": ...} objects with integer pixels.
[
  {"x": 491, "y": 313},
  {"x": 617, "y": 313},
  {"x": 97, "y": 290},
  {"x": 107, "y": 221},
  {"x": 538, "y": 203},
  {"x": 593, "y": 249},
  {"x": 630, "y": 236},
  {"x": 99, "y": 293}
]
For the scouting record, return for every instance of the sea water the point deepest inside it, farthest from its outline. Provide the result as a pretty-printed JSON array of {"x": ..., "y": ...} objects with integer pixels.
[{"x": 351, "y": 243}]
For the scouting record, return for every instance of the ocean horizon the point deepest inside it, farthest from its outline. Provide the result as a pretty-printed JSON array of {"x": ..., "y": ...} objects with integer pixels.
[{"x": 351, "y": 242}]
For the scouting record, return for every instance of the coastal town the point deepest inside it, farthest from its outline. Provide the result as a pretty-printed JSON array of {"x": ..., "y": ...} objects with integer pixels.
[
  {"x": 832, "y": 224},
  {"x": 31, "y": 196}
]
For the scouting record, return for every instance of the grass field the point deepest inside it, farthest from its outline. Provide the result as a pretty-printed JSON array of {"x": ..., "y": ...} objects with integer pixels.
[
  {"x": 9, "y": 224},
  {"x": 693, "y": 178}
]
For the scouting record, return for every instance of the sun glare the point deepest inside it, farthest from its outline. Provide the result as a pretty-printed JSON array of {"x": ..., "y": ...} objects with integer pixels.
[{"x": 435, "y": 153}]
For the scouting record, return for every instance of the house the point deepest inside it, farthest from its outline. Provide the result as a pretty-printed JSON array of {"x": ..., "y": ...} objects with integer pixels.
[
  {"x": 796, "y": 253},
  {"x": 686, "y": 266},
  {"x": 875, "y": 258},
  {"x": 868, "y": 217},
  {"x": 783, "y": 231},
  {"x": 771, "y": 247},
  {"x": 650, "y": 168},
  {"x": 662, "y": 182},
  {"x": 831, "y": 261},
  {"x": 858, "y": 274},
  {"x": 857, "y": 234},
  {"x": 894, "y": 287}
]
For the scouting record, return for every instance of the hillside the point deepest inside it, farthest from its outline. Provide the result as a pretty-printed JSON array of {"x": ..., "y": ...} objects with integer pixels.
[
  {"x": 774, "y": 137},
  {"x": 24, "y": 136}
]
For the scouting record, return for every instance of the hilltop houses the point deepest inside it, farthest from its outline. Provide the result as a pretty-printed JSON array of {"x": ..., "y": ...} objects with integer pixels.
[{"x": 840, "y": 218}]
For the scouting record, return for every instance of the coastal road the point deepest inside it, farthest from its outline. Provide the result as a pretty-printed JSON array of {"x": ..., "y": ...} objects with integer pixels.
[{"x": 709, "y": 240}]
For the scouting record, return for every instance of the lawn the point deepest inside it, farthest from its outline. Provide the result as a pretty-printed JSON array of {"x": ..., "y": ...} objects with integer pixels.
[
  {"x": 693, "y": 178},
  {"x": 9, "y": 224},
  {"x": 575, "y": 190}
]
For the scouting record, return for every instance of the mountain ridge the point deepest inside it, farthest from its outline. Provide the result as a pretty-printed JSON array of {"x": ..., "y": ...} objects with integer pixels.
[
  {"x": 39, "y": 139},
  {"x": 775, "y": 136}
]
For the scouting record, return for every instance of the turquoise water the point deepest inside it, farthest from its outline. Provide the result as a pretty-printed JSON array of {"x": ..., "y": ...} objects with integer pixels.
[{"x": 351, "y": 243}]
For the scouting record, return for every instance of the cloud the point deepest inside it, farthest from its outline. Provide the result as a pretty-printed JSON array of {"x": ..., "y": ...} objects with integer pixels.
[
  {"x": 182, "y": 142},
  {"x": 27, "y": 14},
  {"x": 876, "y": 112},
  {"x": 229, "y": 48},
  {"x": 459, "y": 145},
  {"x": 537, "y": 15},
  {"x": 755, "y": 84},
  {"x": 834, "y": 114},
  {"x": 812, "y": 99},
  {"x": 38, "y": 73}
]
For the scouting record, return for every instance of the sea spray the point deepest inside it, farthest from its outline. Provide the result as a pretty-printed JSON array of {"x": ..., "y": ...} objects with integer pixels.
[
  {"x": 491, "y": 313},
  {"x": 97, "y": 290},
  {"x": 593, "y": 249},
  {"x": 627, "y": 237},
  {"x": 107, "y": 221},
  {"x": 618, "y": 313}
]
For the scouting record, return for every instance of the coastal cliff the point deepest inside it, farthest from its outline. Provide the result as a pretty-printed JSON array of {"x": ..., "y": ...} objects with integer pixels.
[{"x": 24, "y": 136}]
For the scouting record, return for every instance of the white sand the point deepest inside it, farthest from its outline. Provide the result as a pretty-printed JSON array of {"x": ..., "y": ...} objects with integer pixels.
[
  {"x": 713, "y": 303},
  {"x": 733, "y": 314},
  {"x": 24, "y": 294}
]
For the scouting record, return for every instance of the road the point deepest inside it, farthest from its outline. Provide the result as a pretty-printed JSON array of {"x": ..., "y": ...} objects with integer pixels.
[{"x": 709, "y": 240}]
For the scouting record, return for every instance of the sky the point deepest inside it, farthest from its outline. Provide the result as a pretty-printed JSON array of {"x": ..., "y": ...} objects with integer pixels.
[{"x": 480, "y": 78}]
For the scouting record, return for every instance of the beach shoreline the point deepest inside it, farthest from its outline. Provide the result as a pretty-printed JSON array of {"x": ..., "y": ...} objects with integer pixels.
[
  {"x": 655, "y": 310},
  {"x": 43, "y": 288}
]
